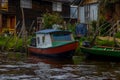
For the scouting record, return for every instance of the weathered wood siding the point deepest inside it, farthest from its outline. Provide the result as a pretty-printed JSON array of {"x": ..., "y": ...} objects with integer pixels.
[
  {"x": 12, "y": 6},
  {"x": 117, "y": 10},
  {"x": 39, "y": 7}
]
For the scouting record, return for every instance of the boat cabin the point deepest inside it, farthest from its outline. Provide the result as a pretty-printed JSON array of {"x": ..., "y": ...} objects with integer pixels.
[{"x": 51, "y": 38}]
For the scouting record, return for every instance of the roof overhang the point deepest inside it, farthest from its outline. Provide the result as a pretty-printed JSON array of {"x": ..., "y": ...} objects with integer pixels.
[
  {"x": 76, "y": 2},
  {"x": 49, "y": 31},
  {"x": 85, "y": 2},
  {"x": 6, "y": 12},
  {"x": 63, "y": 1}
]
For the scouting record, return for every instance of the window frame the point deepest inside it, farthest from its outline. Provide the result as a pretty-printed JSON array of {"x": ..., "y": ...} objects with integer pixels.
[{"x": 57, "y": 6}]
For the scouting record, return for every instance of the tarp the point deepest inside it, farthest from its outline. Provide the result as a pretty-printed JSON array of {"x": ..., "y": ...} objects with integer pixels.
[{"x": 81, "y": 30}]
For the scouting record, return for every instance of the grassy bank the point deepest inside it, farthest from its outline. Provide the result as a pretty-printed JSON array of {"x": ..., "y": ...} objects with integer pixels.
[
  {"x": 13, "y": 43},
  {"x": 8, "y": 57}
]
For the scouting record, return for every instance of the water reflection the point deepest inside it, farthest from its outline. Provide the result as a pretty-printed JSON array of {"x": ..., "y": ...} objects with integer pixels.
[
  {"x": 53, "y": 62},
  {"x": 78, "y": 68}
]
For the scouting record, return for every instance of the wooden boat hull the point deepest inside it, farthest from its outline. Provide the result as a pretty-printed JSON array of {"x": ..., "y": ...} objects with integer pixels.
[
  {"x": 100, "y": 51},
  {"x": 66, "y": 50}
]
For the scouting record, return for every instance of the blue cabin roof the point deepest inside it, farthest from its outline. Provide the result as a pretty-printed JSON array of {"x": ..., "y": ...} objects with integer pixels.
[{"x": 47, "y": 31}]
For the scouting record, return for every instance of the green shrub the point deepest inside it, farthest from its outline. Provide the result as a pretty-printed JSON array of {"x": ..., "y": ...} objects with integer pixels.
[
  {"x": 50, "y": 19},
  {"x": 105, "y": 43},
  {"x": 94, "y": 25},
  {"x": 10, "y": 43},
  {"x": 71, "y": 27}
]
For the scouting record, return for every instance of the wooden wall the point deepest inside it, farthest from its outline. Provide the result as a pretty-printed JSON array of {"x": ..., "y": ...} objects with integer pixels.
[
  {"x": 117, "y": 12},
  {"x": 39, "y": 7}
]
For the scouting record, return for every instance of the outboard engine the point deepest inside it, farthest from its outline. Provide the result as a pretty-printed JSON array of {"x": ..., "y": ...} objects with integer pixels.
[{"x": 86, "y": 44}]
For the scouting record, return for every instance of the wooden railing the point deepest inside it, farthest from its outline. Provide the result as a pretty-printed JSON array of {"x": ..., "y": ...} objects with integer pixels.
[{"x": 114, "y": 29}]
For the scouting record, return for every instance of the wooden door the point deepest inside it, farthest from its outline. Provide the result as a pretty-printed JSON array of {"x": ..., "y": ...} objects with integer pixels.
[{"x": 12, "y": 22}]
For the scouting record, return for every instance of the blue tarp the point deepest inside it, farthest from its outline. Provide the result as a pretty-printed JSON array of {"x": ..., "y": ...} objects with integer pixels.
[{"x": 81, "y": 30}]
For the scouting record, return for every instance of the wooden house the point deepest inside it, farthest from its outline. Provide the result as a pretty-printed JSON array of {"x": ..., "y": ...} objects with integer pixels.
[
  {"x": 88, "y": 11},
  {"x": 11, "y": 12},
  {"x": 106, "y": 12}
]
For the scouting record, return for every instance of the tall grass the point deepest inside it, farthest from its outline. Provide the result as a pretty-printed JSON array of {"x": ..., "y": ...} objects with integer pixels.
[{"x": 12, "y": 43}]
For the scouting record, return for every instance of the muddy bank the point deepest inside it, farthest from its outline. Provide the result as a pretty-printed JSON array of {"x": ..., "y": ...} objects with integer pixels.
[{"x": 8, "y": 57}]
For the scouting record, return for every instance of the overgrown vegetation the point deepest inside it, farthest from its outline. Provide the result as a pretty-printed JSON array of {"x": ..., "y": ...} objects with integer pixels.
[
  {"x": 13, "y": 43},
  {"x": 104, "y": 42},
  {"x": 94, "y": 25},
  {"x": 71, "y": 27},
  {"x": 55, "y": 18},
  {"x": 50, "y": 19},
  {"x": 16, "y": 44},
  {"x": 117, "y": 35}
]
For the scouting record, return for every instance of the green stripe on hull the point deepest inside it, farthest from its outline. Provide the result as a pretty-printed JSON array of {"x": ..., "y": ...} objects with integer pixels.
[
  {"x": 101, "y": 51},
  {"x": 59, "y": 43}
]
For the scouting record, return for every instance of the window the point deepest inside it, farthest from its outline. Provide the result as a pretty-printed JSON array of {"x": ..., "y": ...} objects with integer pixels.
[
  {"x": 73, "y": 12},
  {"x": 26, "y": 3},
  {"x": 43, "y": 39},
  {"x": 4, "y": 4},
  {"x": 88, "y": 13},
  {"x": 62, "y": 37},
  {"x": 93, "y": 12},
  {"x": 38, "y": 40},
  {"x": 57, "y": 6}
]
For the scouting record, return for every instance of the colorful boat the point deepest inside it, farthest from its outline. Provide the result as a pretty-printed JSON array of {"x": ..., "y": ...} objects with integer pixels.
[
  {"x": 101, "y": 51},
  {"x": 53, "y": 43}
]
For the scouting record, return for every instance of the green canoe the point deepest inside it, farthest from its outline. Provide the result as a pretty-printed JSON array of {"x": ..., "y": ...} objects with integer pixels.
[{"x": 101, "y": 51}]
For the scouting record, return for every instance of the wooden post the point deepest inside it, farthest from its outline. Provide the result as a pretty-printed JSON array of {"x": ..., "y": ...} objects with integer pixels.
[
  {"x": 78, "y": 20},
  {"x": 98, "y": 19},
  {"x": 24, "y": 33},
  {"x": 118, "y": 25},
  {"x": 31, "y": 26},
  {"x": 0, "y": 23},
  {"x": 97, "y": 28}
]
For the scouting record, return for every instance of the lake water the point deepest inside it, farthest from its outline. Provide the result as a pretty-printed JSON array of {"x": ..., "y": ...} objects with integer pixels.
[{"x": 77, "y": 68}]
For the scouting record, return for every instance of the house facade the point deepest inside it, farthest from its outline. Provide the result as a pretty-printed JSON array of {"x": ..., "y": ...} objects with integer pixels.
[
  {"x": 11, "y": 12},
  {"x": 88, "y": 11}
]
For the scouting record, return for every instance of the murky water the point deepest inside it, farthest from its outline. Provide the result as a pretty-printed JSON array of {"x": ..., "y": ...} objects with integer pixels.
[{"x": 53, "y": 69}]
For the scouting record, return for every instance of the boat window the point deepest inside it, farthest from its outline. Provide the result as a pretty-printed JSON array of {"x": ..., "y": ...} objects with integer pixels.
[
  {"x": 62, "y": 37},
  {"x": 43, "y": 39},
  {"x": 38, "y": 40}
]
